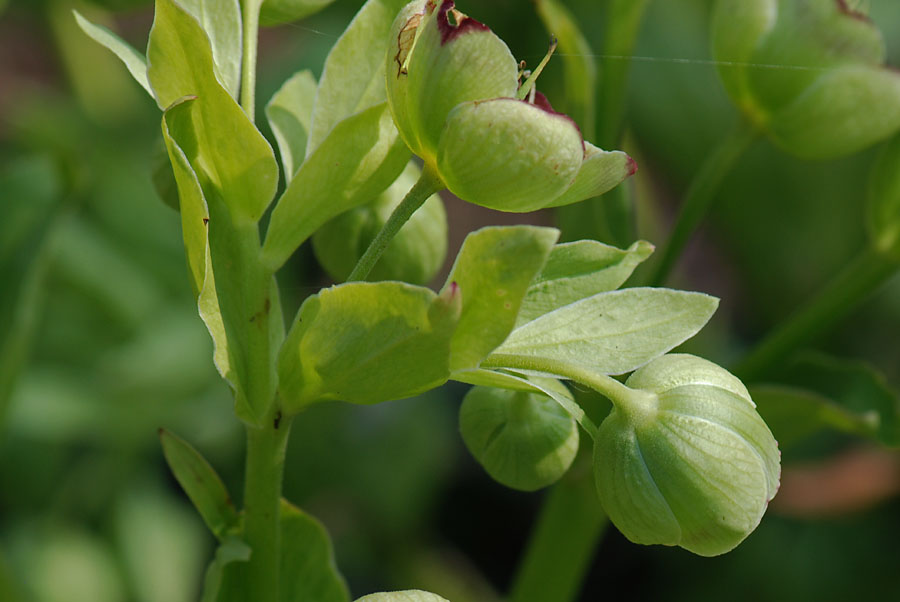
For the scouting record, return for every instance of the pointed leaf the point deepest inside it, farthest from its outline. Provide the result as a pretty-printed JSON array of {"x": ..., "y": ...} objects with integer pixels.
[
  {"x": 600, "y": 172},
  {"x": 221, "y": 20},
  {"x": 289, "y": 113},
  {"x": 232, "y": 156},
  {"x": 493, "y": 270},
  {"x": 353, "y": 76},
  {"x": 201, "y": 484},
  {"x": 357, "y": 162},
  {"x": 367, "y": 342},
  {"x": 614, "y": 332},
  {"x": 577, "y": 270},
  {"x": 134, "y": 61}
]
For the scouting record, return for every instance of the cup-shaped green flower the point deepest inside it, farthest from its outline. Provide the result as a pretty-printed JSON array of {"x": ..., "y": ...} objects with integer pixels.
[
  {"x": 686, "y": 460},
  {"x": 414, "y": 255},
  {"x": 453, "y": 89},
  {"x": 524, "y": 440},
  {"x": 810, "y": 73}
]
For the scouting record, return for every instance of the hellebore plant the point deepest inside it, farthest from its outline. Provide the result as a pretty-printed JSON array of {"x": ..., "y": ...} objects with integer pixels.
[
  {"x": 808, "y": 74},
  {"x": 683, "y": 459}
]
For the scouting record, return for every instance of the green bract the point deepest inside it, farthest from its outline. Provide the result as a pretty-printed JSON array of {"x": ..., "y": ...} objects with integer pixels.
[
  {"x": 686, "y": 460},
  {"x": 809, "y": 72},
  {"x": 452, "y": 86},
  {"x": 414, "y": 255},
  {"x": 524, "y": 440}
]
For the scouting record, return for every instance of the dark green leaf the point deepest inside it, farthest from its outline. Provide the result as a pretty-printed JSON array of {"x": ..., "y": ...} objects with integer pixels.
[{"x": 276, "y": 12}]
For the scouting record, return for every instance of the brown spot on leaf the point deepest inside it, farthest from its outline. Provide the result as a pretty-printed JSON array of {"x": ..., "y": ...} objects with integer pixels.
[
  {"x": 405, "y": 40},
  {"x": 460, "y": 25},
  {"x": 205, "y": 221}
]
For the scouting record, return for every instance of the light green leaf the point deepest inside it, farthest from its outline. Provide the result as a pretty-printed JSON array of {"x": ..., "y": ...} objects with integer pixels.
[
  {"x": 367, "y": 342},
  {"x": 353, "y": 77},
  {"x": 493, "y": 270},
  {"x": 360, "y": 158},
  {"x": 289, "y": 113},
  {"x": 410, "y": 595},
  {"x": 194, "y": 219},
  {"x": 246, "y": 293},
  {"x": 276, "y": 12},
  {"x": 223, "y": 582},
  {"x": 221, "y": 20},
  {"x": 134, "y": 61},
  {"x": 578, "y": 61},
  {"x": 308, "y": 569},
  {"x": 201, "y": 484},
  {"x": 614, "y": 332},
  {"x": 577, "y": 270},
  {"x": 231, "y": 155}
]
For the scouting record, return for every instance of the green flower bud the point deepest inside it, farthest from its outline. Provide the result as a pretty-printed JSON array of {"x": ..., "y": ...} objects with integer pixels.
[
  {"x": 414, "y": 255},
  {"x": 808, "y": 72},
  {"x": 687, "y": 460},
  {"x": 452, "y": 87},
  {"x": 523, "y": 440}
]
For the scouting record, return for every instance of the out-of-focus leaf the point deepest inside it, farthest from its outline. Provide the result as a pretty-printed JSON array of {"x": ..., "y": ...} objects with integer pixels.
[
  {"x": 31, "y": 189},
  {"x": 353, "y": 77},
  {"x": 134, "y": 61},
  {"x": 846, "y": 395},
  {"x": 365, "y": 343},
  {"x": 577, "y": 270},
  {"x": 66, "y": 564},
  {"x": 201, "y": 484},
  {"x": 883, "y": 206},
  {"x": 161, "y": 544},
  {"x": 276, "y": 12},
  {"x": 289, "y": 113},
  {"x": 360, "y": 158},
  {"x": 614, "y": 332},
  {"x": 164, "y": 177},
  {"x": 221, "y": 20},
  {"x": 231, "y": 153},
  {"x": 493, "y": 271}
]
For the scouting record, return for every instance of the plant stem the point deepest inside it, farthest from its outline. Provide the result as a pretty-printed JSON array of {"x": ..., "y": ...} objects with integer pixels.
[
  {"x": 428, "y": 184},
  {"x": 851, "y": 286},
  {"x": 250, "y": 21},
  {"x": 564, "y": 539},
  {"x": 262, "y": 505},
  {"x": 701, "y": 194},
  {"x": 623, "y": 397}
]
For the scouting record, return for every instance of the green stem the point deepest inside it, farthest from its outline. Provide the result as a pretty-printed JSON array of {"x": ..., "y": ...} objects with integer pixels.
[
  {"x": 860, "y": 278},
  {"x": 701, "y": 195},
  {"x": 564, "y": 538},
  {"x": 262, "y": 505},
  {"x": 250, "y": 21},
  {"x": 428, "y": 184}
]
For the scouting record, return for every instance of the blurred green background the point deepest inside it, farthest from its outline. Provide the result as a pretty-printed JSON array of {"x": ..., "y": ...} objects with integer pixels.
[{"x": 101, "y": 344}]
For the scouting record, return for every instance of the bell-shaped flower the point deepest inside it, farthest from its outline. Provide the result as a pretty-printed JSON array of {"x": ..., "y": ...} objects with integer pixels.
[
  {"x": 810, "y": 73},
  {"x": 453, "y": 89},
  {"x": 687, "y": 461}
]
